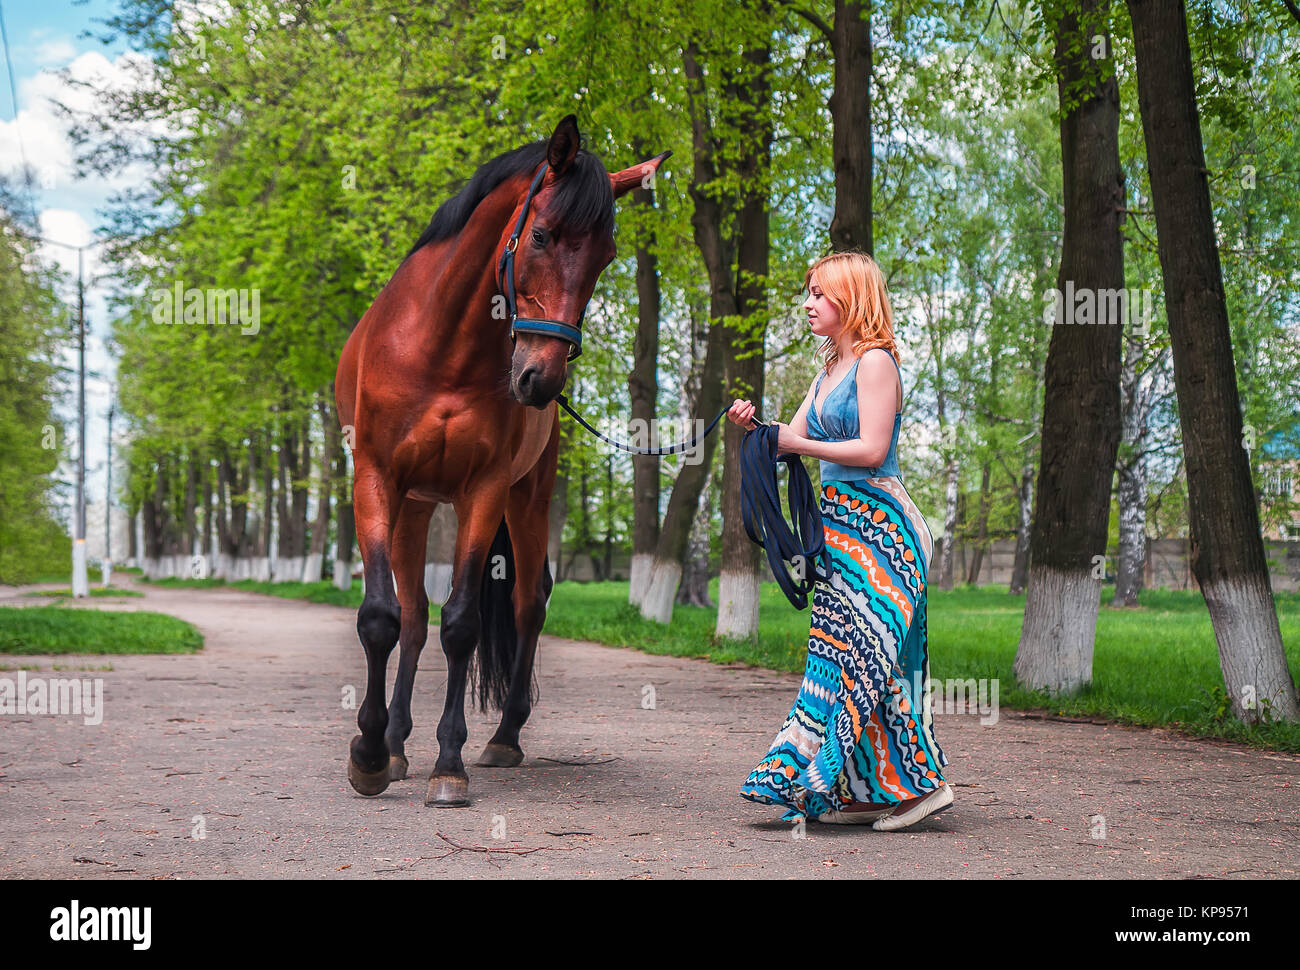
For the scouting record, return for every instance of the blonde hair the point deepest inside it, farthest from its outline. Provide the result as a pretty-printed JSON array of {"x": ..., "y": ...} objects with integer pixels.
[{"x": 854, "y": 283}]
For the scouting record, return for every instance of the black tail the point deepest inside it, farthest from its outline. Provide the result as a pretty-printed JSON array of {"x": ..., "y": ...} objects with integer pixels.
[{"x": 498, "y": 642}]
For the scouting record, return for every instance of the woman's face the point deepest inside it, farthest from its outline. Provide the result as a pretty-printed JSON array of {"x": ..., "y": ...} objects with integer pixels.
[{"x": 823, "y": 315}]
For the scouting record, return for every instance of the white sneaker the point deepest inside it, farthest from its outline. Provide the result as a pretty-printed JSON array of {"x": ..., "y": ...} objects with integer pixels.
[{"x": 931, "y": 804}]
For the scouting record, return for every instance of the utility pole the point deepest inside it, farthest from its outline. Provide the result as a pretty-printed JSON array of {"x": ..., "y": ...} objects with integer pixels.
[
  {"x": 107, "y": 570},
  {"x": 80, "y": 581}
]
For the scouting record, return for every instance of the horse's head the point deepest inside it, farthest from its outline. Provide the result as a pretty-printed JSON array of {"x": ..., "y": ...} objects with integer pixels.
[{"x": 566, "y": 241}]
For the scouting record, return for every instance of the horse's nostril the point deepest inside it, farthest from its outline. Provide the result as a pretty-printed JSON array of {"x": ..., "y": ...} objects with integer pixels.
[{"x": 526, "y": 379}]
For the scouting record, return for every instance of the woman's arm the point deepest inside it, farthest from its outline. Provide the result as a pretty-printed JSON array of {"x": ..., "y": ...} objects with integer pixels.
[{"x": 877, "y": 397}]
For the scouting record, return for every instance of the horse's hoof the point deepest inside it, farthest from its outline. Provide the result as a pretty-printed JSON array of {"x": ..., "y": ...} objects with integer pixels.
[
  {"x": 397, "y": 765},
  {"x": 447, "y": 791},
  {"x": 500, "y": 756},
  {"x": 367, "y": 782}
]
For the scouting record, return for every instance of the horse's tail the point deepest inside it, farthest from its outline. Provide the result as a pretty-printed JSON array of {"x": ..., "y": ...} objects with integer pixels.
[{"x": 498, "y": 640}]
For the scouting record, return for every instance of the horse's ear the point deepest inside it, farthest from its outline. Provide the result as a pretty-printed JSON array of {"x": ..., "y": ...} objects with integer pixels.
[
  {"x": 564, "y": 145},
  {"x": 638, "y": 176}
]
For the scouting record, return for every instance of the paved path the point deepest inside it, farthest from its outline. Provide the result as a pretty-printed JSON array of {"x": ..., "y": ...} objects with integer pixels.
[{"x": 252, "y": 735}]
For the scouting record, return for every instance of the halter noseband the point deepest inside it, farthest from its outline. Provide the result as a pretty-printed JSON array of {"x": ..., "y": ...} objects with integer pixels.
[{"x": 506, "y": 269}]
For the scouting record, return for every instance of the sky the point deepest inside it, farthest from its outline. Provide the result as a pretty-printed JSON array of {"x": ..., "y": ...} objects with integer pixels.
[{"x": 44, "y": 37}]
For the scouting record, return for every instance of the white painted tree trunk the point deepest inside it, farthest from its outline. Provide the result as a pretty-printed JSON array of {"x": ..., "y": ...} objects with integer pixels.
[
  {"x": 1025, "y": 499},
  {"x": 639, "y": 577},
  {"x": 1246, "y": 629},
  {"x": 737, "y": 604},
  {"x": 437, "y": 581},
  {"x": 1132, "y": 494},
  {"x": 949, "y": 527},
  {"x": 342, "y": 574},
  {"x": 1056, "y": 640},
  {"x": 662, "y": 591},
  {"x": 1131, "y": 489},
  {"x": 314, "y": 568}
]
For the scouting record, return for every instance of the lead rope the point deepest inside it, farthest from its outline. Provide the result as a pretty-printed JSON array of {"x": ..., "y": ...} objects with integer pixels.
[{"x": 804, "y": 546}]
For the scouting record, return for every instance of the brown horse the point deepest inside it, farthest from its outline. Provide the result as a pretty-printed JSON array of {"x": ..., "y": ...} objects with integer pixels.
[{"x": 446, "y": 396}]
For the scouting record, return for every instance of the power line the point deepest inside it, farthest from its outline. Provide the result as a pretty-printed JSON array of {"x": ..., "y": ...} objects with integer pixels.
[{"x": 18, "y": 128}]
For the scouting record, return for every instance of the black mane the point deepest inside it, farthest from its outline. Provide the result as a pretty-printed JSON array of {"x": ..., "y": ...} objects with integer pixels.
[{"x": 583, "y": 200}]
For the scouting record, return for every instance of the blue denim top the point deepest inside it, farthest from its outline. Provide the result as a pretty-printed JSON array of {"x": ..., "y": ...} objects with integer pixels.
[{"x": 839, "y": 422}]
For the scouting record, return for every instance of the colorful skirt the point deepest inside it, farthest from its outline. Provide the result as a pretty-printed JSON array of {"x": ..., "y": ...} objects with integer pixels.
[{"x": 861, "y": 729}]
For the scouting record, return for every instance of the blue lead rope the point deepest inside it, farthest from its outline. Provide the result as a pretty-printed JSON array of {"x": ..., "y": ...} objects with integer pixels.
[{"x": 804, "y": 545}]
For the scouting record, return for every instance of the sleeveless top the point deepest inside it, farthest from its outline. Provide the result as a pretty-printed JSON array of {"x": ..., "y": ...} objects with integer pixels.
[{"x": 839, "y": 422}]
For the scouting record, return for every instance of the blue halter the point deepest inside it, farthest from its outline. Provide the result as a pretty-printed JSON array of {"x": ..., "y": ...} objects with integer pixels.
[{"x": 506, "y": 269}]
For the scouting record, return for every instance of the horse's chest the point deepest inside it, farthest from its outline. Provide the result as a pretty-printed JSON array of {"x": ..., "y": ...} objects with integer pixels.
[
  {"x": 449, "y": 456},
  {"x": 537, "y": 432}
]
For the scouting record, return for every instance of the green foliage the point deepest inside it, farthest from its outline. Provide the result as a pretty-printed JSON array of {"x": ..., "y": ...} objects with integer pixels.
[{"x": 32, "y": 328}]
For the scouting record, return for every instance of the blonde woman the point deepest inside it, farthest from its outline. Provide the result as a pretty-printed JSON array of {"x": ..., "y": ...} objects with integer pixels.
[{"x": 858, "y": 746}]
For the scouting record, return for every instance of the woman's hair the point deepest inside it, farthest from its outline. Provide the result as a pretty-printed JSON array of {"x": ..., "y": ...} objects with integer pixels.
[{"x": 853, "y": 282}]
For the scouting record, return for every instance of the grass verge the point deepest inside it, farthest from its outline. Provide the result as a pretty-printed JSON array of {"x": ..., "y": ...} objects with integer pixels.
[{"x": 27, "y": 630}]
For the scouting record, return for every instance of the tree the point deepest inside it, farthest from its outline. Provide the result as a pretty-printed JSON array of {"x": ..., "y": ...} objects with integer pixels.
[
  {"x": 1083, "y": 364},
  {"x": 1227, "y": 550}
]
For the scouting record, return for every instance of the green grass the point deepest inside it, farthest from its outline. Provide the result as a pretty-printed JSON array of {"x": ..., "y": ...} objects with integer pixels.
[
  {"x": 95, "y": 591},
  {"x": 26, "y": 630},
  {"x": 323, "y": 592},
  {"x": 1156, "y": 665}
]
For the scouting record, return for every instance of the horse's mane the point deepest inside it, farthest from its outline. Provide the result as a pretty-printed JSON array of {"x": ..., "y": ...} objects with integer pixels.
[{"x": 583, "y": 201}]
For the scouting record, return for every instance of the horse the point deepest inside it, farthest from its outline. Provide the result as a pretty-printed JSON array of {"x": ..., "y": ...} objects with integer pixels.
[{"x": 446, "y": 394}]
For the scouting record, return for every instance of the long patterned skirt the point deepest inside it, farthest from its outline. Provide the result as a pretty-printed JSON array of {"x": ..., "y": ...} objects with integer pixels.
[{"x": 861, "y": 728}]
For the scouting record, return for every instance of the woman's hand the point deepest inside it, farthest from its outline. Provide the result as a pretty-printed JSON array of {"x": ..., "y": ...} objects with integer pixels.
[
  {"x": 786, "y": 440},
  {"x": 742, "y": 413}
]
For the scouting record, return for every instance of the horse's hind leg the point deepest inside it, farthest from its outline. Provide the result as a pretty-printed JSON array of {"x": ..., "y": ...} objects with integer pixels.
[
  {"x": 409, "y": 538},
  {"x": 378, "y": 623},
  {"x": 527, "y": 518},
  {"x": 478, "y": 518}
]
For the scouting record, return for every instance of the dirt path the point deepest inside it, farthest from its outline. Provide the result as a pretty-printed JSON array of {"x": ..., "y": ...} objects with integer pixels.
[{"x": 252, "y": 736}]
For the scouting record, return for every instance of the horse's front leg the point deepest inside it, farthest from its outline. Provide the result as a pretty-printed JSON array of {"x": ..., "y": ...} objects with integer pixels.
[
  {"x": 479, "y": 515},
  {"x": 378, "y": 623},
  {"x": 409, "y": 538}
]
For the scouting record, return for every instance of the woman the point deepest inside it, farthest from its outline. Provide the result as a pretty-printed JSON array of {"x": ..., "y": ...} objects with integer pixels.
[{"x": 858, "y": 745}]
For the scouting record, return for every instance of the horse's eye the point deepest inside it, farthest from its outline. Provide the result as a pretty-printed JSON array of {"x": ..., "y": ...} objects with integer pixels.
[{"x": 539, "y": 238}]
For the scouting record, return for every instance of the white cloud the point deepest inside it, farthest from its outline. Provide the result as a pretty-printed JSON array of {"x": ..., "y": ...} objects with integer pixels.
[
  {"x": 44, "y": 132},
  {"x": 54, "y": 53}
]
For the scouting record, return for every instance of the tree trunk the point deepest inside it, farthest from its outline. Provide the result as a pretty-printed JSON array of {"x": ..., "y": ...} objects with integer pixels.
[
  {"x": 643, "y": 390},
  {"x": 694, "y": 590},
  {"x": 559, "y": 513},
  {"x": 440, "y": 553},
  {"x": 850, "y": 108},
  {"x": 345, "y": 536},
  {"x": 315, "y": 566},
  {"x": 949, "y": 539},
  {"x": 262, "y": 565},
  {"x": 1227, "y": 549},
  {"x": 1131, "y": 487},
  {"x": 685, "y": 497},
  {"x": 1081, "y": 413},
  {"x": 1025, "y": 502},
  {"x": 982, "y": 528},
  {"x": 737, "y": 293}
]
